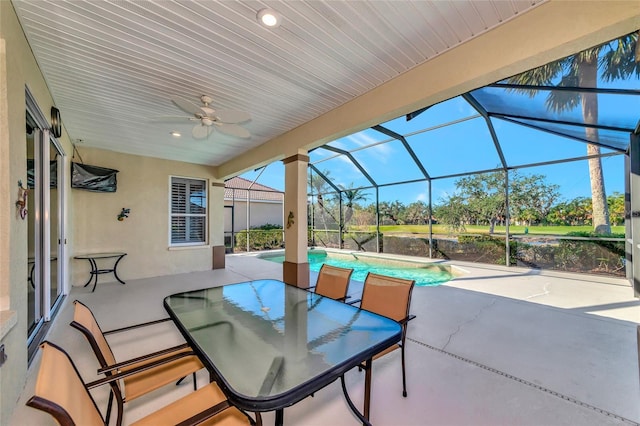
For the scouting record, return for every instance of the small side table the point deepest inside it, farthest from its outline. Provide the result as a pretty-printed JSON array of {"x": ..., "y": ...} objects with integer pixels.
[
  {"x": 32, "y": 267},
  {"x": 93, "y": 274}
]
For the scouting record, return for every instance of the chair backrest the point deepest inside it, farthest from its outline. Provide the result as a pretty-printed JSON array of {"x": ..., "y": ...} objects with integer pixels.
[
  {"x": 61, "y": 392},
  {"x": 85, "y": 321},
  {"x": 333, "y": 282},
  {"x": 387, "y": 296}
]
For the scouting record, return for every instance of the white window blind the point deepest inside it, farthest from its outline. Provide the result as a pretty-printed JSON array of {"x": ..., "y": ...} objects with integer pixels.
[{"x": 188, "y": 211}]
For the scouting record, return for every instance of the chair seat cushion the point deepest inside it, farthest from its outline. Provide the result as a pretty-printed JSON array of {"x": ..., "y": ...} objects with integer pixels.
[
  {"x": 192, "y": 404},
  {"x": 154, "y": 378}
]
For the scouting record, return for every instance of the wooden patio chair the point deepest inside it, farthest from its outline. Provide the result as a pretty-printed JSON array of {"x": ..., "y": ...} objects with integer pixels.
[
  {"x": 61, "y": 392},
  {"x": 390, "y": 297},
  {"x": 162, "y": 367},
  {"x": 333, "y": 282}
]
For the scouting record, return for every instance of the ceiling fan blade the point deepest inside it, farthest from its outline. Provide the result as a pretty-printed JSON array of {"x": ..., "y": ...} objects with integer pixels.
[
  {"x": 233, "y": 130},
  {"x": 200, "y": 131},
  {"x": 172, "y": 119},
  {"x": 232, "y": 116},
  {"x": 187, "y": 106}
]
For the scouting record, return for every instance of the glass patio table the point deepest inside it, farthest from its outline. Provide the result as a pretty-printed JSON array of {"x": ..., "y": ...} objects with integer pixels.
[
  {"x": 269, "y": 345},
  {"x": 95, "y": 271}
]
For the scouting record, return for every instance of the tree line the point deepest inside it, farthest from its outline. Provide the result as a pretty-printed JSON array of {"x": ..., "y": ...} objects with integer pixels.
[{"x": 477, "y": 200}]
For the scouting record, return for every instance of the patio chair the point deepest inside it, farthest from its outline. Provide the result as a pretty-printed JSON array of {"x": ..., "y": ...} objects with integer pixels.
[
  {"x": 390, "y": 297},
  {"x": 333, "y": 282},
  {"x": 163, "y": 367},
  {"x": 61, "y": 392}
]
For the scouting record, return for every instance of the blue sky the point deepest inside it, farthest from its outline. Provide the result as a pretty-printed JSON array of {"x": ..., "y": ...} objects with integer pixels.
[
  {"x": 467, "y": 145},
  {"x": 463, "y": 147}
]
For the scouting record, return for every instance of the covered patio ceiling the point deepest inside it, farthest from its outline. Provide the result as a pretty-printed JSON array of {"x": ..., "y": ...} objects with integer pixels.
[{"x": 329, "y": 70}]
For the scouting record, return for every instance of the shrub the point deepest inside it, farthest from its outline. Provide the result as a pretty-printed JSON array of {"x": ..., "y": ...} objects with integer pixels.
[{"x": 263, "y": 237}]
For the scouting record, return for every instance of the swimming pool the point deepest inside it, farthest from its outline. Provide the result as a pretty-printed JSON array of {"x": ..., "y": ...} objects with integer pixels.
[{"x": 423, "y": 274}]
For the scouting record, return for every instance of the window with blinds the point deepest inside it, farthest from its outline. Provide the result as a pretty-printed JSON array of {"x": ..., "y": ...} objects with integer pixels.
[{"x": 188, "y": 211}]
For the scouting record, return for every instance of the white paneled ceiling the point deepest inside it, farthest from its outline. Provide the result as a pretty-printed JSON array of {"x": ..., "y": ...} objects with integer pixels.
[{"x": 113, "y": 66}]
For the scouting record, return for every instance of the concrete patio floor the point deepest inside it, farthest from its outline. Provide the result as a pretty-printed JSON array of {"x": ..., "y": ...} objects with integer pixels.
[{"x": 495, "y": 346}]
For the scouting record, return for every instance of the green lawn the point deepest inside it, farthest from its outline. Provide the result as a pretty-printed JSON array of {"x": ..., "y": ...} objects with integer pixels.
[{"x": 477, "y": 229}]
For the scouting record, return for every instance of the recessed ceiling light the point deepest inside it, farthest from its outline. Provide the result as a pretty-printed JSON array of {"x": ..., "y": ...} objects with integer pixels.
[
  {"x": 269, "y": 18},
  {"x": 175, "y": 134}
]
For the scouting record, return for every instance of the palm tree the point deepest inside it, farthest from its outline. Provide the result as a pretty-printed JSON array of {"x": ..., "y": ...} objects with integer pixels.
[
  {"x": 618, "y": 59},
  {"x": 318, "y": 184},
  {"x": 352, "y": 195}
]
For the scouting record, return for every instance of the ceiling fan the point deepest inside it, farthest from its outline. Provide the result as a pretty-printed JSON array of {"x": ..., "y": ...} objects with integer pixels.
[{"x": 225, "y": 121}]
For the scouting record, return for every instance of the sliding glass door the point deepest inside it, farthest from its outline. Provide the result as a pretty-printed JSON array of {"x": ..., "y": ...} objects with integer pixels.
[{"x": 45, "y": 242}]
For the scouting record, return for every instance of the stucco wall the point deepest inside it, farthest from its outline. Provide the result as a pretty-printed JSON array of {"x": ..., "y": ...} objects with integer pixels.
[
  {"x": 261, "y": 213},
  {"x": 143, "y": 187},
  {"x": 18, "y": 69}
]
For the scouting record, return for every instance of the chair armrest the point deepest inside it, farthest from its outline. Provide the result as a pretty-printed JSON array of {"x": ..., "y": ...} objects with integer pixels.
[
  {"x": 142, "y": 358},
  {"x": 132, "y": 327},
  {"x": 206, "y": 414},
  {"x": 145, "y": 367},
  {"x": 406, "y": 319}
]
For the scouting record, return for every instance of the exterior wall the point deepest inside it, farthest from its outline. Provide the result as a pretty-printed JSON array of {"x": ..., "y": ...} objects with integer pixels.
[
  {"x": 18, "y": 69},
  {"x": 262, "y": 213},
  {"x": 143, "y": 187}
]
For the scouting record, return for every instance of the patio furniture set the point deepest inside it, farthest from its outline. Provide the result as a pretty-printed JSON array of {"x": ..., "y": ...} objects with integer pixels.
[{"x": 266, "y": 345}]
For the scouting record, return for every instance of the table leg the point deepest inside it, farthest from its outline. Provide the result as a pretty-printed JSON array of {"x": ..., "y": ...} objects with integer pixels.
[
  {"x": 367, "y": 396},
  {"x": 90, "y": 273},
  {"x": 115, "y": 268},
  {"x": 94, "y": 273},
  {"x": 31, "y": 277},
  {"x": 367, "y": 387},
  {"x": 280, "y": 417}
]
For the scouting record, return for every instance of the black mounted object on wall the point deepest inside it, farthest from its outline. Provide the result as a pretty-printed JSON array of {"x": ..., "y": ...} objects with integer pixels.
[
  {"x": 56, "y": 122},
  {"x": 93, "y": 178}
]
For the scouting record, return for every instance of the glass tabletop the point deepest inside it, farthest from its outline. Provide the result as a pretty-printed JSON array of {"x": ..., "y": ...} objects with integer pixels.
[
  {"x": 99, "y": 255},
  {"x": 272, "y": 344}
]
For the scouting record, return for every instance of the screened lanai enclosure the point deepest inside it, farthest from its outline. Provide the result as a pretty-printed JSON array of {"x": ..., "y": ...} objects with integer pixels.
[{"x": 534, "y": 170}]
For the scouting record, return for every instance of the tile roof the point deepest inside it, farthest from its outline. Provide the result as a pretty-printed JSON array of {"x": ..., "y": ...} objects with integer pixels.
[{"x": 258, "y": 192}]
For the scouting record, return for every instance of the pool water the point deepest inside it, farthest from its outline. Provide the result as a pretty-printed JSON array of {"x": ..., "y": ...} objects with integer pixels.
[{"x": 423, "y": 276}]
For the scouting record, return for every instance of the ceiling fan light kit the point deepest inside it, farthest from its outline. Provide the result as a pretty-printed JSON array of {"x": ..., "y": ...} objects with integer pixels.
[{"x": 225, "y": 121}]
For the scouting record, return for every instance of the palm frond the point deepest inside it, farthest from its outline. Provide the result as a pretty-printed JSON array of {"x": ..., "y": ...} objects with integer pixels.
[
  {"x": 621, "y": 59},
  {"x": 562, "y": 101},
  {"x": 541, "y": 76}
]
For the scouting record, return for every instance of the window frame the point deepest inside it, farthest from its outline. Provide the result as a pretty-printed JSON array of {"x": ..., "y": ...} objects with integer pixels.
[{"x": 205, "y": 215}]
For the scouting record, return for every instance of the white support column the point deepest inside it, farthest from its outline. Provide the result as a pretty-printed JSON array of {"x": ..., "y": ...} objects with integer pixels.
[
  {"x": 296, "y": 266},
  {"x": 216, "y": 224},
  {"x": 634, "y": 214}
]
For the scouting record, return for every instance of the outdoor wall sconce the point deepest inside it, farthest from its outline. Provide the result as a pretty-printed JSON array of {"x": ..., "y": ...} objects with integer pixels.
[{"x": 290, "y": 220}]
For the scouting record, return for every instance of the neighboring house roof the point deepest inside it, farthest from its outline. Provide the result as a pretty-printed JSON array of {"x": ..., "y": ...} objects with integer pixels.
[{"x": 258, "y": 192}]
